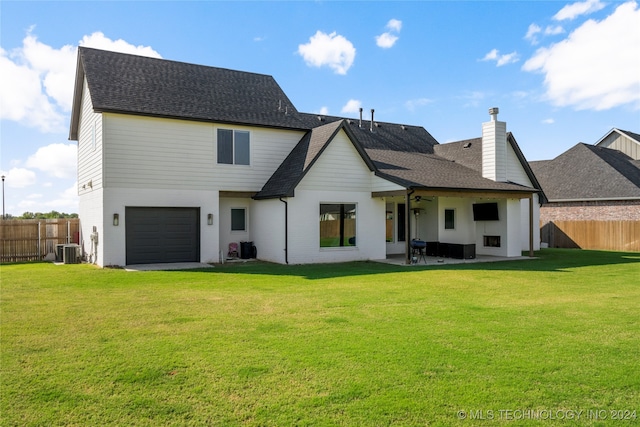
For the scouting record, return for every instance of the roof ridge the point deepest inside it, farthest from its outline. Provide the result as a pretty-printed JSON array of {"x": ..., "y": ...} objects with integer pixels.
[{"x": 173, "y": 61}]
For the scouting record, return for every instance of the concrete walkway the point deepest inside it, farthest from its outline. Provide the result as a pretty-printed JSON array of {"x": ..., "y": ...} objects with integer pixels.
[{"x": 391, "y": 259}]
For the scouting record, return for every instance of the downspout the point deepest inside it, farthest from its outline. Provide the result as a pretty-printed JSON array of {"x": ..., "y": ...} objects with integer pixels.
[
  {"x": 407, "y": 228},
  {"x": 286, "y": 231}
]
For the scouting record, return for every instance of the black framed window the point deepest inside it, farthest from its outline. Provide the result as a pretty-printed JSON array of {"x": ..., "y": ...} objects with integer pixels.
[
  {"x": 337, "y": 225},
  {"x": 238, "y": 219},
  {"x": 234, "y": 147},
  {"x": 449, "y": 219}
]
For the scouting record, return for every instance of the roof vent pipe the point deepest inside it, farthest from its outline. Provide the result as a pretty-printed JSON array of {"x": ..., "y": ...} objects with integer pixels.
[
  {"x": 360, "y": 124},
  {"x": 372, "y": 111},
  {"x": 493, "y": 112}
]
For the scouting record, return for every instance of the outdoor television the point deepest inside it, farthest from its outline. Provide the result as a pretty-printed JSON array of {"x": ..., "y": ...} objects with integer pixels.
[{"x": 485, "y": 212}]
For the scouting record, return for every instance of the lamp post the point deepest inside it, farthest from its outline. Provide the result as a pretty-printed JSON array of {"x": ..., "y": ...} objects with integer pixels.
[{"x": 3, "y": 198}]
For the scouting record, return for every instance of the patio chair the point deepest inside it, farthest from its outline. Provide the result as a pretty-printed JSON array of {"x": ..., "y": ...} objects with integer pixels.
[{"x": 233, "y": 250}]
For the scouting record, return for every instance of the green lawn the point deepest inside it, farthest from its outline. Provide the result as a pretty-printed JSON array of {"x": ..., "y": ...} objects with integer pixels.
[{"x": 351, "y": 344}]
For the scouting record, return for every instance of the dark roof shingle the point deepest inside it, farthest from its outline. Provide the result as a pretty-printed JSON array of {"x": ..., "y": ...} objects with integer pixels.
[
  {"x": 140, "y": 85},
  {"x": 588, "y": 172},
  {"x": 157, "y": 87}
]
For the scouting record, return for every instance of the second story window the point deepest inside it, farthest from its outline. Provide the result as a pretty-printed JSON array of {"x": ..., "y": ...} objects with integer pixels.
[{"x": 233, "y": 147}]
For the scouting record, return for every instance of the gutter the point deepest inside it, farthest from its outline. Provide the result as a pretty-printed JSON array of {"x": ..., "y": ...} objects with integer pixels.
[
  {"x": 607, "y": 199},
  {"x": 286, "y": 231}
]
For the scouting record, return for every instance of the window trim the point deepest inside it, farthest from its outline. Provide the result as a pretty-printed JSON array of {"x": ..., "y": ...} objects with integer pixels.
[
  {"x": 343, "y": 239},
  {"x": 246, "y": 228},
  {"x": 453, "y": 219},
  {"x": 234, "y": 151},
  {"x": 393, "y": 221}
]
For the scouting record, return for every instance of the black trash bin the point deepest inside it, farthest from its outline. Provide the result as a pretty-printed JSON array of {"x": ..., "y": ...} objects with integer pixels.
[{"x": 245, "y": 250}]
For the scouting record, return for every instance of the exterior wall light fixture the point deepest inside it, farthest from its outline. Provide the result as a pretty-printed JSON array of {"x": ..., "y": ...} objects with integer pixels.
[
  {"x": 116, "y": 219},
  {"x": 210, "y": 219}
]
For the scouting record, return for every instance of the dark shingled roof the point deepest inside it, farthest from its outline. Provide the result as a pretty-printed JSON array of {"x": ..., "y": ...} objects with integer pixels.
[
  {"x": 130, "y": 84},
  {"x": 284, "y": 181},
  {"x": 398, "y": 153},
  {"x": 468, "y": 153},
  {"x": 134, "y": 84},
  {"x": 587, "y": 172},
  {"x": 631, "y": 135}
]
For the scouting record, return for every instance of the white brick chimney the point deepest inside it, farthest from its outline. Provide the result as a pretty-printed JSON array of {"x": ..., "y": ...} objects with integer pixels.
[{"x": 494, "y": 148}]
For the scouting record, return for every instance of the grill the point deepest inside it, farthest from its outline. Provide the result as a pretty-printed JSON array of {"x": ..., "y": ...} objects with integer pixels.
[{"x": 418, "y": 249}]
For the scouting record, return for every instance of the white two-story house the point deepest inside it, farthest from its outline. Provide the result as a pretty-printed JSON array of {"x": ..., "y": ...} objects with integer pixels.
[{"x": 176, "y": 161}]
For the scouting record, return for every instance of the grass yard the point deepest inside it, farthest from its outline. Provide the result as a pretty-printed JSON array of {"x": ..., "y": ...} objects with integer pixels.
[{"x": 358, "y": 344}]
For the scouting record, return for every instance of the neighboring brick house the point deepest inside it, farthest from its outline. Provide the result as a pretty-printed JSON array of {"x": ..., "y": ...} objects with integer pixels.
[{"x": 598, "y": 182}]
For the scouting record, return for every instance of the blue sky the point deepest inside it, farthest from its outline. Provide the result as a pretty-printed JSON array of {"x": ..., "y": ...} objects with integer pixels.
[{"x": 560, "y": 72}]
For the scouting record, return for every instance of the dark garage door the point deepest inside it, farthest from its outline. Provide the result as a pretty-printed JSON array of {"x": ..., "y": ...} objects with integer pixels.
[{"x": 156, "y": 235}]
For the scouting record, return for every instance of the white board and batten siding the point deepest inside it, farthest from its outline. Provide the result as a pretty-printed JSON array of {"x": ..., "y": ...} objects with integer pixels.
[
  {"x": 145, "y": 152},
  {"x": 338, "y": 176},
  {"x": 515, "y": 171},
  {"x": 89, "y": 146},
  {"x": 622, "y": 143},
  {"x": 90, "y": 175},
  {"x": 340, "y": 167}
]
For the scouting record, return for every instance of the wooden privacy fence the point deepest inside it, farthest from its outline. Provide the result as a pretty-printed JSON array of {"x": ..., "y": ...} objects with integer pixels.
[
  {"x": 34, "y": 239},
  {"x": 600, "y": 235}
]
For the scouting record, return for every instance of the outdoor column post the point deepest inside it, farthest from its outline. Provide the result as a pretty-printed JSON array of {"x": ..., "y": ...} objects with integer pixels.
[
  {"x": 531, "y": 225},
  {"x": 407, "y": 228}
]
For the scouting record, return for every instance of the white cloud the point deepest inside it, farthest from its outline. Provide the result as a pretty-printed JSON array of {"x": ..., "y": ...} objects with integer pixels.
[
  {"x": 578, "y": 70},
  {"x": 533, "y": 30},
  {"x": 548, "y": 121},
  {"x": 501, "y": 60},
  {"x": 324, "y": 111},
  {"x": 473, "y": 98},
  {"x": 412, "y": 104},
  {"x": 19, "y": 178},
  {"x": 58, "y": 160},
  {"x": 394, "y": 25},
  {"x": 572, "y": 11},
  {"x": 23, "y": 99},
  {"x": 352, "y": 106},
  {"x": 386, "y": 40},
  {"x": 331, "y": 50},
  {"x": 67, "y": 201},
  {"x": 552, "y": 31},
  {"x": 64, "y": 201},
  {"x": 36, "y": 88},
  {"x": 98, "y": 40},
  {"x": 389, "y": 38}
]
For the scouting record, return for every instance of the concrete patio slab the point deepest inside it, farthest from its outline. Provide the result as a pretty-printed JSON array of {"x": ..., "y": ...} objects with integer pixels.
[{"x": 433, "y": 261}]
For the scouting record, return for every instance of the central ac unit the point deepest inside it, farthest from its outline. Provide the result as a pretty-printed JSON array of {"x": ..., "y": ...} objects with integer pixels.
[{"x": 71, "y": 254}]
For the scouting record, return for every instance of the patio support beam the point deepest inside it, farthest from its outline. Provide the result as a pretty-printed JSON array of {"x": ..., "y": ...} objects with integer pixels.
[
  {"x": 407, "y": 227},
  {"x": 239, "y": 194},
  {"x": 531, "y": 225},
  {"x": 458, "y": 193}
]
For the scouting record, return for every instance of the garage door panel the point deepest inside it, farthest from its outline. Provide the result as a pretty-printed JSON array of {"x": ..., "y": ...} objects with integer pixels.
[{"x": 159, "y": 235}]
